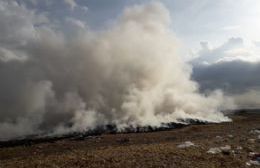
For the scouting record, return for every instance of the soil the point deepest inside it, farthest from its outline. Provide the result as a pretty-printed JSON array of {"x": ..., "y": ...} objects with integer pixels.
[{"x": 150, "y": 149}]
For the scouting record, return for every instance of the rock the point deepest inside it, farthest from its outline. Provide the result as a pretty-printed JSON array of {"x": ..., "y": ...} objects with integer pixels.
[
  {"x": 186, "y": 144},
  {"x": 214, "y": 150},
  {"x": 255, "y": 162},
  {"x": 254, "y": 156},
  {"x": 251, "y": 141},
  {"x": 255, "y": 131},
  {"x": 219, "y": 137},
  {"x": 224, "y": 149},
  {"x": 254, "y": 159},
  {"x": 251, "y": 154},
  {"x": 239, "y": 148},
  {"x": 248, "y": 164}
]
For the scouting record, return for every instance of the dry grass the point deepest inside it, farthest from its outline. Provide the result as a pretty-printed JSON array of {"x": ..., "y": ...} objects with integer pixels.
[{"x": 157, "y": 149}]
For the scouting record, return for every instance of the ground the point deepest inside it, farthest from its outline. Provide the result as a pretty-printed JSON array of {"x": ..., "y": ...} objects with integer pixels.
[{"x": 152, "y": 149}]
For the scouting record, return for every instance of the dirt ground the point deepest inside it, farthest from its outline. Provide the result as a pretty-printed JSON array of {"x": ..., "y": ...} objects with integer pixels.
[{"x": 153, "y": 149}]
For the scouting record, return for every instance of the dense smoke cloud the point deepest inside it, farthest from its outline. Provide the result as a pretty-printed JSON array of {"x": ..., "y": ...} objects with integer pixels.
[{"x": 56, "y": 80}]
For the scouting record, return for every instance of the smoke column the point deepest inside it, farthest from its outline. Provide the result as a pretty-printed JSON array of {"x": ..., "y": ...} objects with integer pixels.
[{"x": 130, "y": 74}]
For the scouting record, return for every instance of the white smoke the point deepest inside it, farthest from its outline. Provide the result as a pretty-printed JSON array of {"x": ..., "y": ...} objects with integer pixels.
[
  {"x": 128, "y": 75},
  {"x": 248, "y": 99}
]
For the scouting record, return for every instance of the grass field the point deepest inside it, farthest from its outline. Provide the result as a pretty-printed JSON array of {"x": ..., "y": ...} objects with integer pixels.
[{"x": 152, "y": 149}]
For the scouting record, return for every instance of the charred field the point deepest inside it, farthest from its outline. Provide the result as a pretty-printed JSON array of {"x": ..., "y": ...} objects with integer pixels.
[{"x": 146, "y": 147}]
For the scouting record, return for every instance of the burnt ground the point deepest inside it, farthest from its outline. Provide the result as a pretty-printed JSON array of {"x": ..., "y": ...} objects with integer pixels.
[{"x": 151, "y": 149}]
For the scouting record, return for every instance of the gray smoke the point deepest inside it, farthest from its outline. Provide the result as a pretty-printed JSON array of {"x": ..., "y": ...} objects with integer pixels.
[{"x": 74, "y": 79}]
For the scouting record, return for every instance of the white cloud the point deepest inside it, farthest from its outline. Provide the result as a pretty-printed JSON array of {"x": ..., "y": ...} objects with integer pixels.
[
  {"x": 76, "y": 22},
  {"x": 72, "y": 3},
  {"x": 233, "y": 49},
  {"x": 233, "y": 67}
]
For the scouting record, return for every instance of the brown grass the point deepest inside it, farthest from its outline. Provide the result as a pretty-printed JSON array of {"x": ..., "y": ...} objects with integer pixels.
[{"x": 155, "y": 149}]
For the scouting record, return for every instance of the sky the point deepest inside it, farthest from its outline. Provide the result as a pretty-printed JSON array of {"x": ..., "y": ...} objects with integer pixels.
[
  {"x": 72, "y": 65},
  {"x": 192, "y": 21}
]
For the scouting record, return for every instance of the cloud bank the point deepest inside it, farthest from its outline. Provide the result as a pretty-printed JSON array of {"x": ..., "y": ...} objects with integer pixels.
[
  {"x": 231, "y": 67},
  {"x": 53, "y": 81}
]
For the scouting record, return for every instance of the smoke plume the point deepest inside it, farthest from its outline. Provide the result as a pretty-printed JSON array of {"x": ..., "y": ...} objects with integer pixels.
[{"x": 57, "y": 80}]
